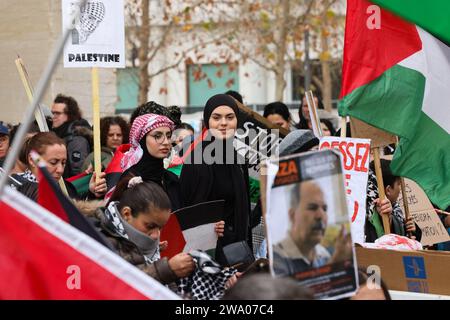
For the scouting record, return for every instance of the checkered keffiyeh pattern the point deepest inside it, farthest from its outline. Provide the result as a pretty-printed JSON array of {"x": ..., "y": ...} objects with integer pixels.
[
  {"x": 141, "y": 126},
  {"x": 91, "y": 15},
  {"x": 204, "y": 286}
]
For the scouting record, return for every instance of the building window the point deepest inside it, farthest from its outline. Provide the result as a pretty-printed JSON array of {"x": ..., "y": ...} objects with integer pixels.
[
  {"x": 127, "y": 85},
  {"x": 206, "y": 80}
]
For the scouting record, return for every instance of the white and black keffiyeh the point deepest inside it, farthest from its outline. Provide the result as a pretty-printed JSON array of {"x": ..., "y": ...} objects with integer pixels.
[
  {"x": 28, "y": 175},
  {"x": 204, "y": 286}
]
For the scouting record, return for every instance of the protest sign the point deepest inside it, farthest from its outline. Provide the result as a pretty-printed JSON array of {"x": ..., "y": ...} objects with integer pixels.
[
  {"x": 355, "y": 160},
  {"x": 308, "y": 223},
  {"x": 424, "y": 215},
  {"x": 98, "y": 35},
  {"x": 379, "y": 138},
  {"x": 256, "y": 140}
]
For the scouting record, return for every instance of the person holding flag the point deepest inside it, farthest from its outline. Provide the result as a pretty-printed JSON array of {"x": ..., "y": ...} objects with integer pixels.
[{"x": 132, "y": 226}]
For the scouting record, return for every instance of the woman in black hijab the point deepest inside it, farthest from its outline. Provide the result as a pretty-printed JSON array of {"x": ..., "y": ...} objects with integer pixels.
[{"x": 212, "y": 172}]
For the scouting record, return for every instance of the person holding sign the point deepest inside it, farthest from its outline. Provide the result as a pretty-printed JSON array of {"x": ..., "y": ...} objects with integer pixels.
[
  {"x": 212, "y": 172},
  {"x": 301, "y": 249},
  {"x": 389, "y": 206}
]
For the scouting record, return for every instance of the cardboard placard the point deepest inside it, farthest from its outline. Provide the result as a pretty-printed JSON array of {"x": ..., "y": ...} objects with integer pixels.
[
  {"x": 308, "y": 226},
  {"x": 424, "y": 215},
  {"x": 413, "y": 271},
  {"x": 355, "y": 160},
  {"x": 379, "y": 138},
  {"x": 98, "y": 35}
]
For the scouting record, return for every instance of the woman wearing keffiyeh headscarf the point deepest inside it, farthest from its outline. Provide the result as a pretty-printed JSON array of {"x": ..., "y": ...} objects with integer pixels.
[{"x": 150, "y": 139}]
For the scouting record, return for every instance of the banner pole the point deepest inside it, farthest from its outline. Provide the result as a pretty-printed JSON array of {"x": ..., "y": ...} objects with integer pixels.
[
  {"x": 96, "y": 122},
  {"x": 381, "y": 194}
]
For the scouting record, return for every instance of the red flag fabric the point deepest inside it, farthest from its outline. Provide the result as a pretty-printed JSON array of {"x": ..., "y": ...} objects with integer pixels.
[
  {"x": 173, "y": 234},
  {"x": 42, "y": 257}
]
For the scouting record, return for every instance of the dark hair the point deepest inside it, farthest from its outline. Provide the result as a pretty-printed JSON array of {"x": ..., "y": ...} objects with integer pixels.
[
  {"x": 263, "y": 286},
  {"x": 303, "y": 123},
  {"x": 40, "y": 141},
  {"x": 277, "y": 108},
  {"x": 329, "y": 126},
  {"x": 235, "y": 95},
  {"x": 388, "y": 177},
  {"x": 72, "y": 110},
  {"x": 107, "y": 122},
  {"x": 140, "y": 198},
  {"x": 34, "y": 128},
  {"x": 172, "y": 112},
  {"x": 186, "y": 126}
]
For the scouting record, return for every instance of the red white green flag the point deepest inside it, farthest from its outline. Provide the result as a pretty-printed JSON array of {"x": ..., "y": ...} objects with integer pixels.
[{"x": 396, "y": 77}]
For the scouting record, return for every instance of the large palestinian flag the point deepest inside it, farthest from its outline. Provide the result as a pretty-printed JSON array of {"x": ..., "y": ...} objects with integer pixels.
[
  {"x": 396, "y": 77},
  {"x": 43, "y": 257}
]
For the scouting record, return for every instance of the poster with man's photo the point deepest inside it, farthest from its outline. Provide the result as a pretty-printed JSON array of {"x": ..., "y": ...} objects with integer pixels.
[
  {"x": 97, "y": 37},
  {"x": 308, "y": 223}
]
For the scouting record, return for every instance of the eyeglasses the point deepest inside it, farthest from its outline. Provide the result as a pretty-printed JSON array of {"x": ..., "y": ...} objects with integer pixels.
[
  {"x": 57, "y": 113},
  {"x": 4, "y": 139},
  {"x": 204, "y": 262},
  {"x": 160, "y": 137}
]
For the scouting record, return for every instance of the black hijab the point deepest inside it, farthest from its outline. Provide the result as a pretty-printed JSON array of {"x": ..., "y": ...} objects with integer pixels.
[
  {"x": 217, "y": 101},
  {"x": 149, "y": 167},
  {"x": 202, "y": 182}
]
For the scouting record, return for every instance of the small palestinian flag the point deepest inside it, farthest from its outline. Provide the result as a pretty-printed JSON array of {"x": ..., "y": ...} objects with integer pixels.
[{"x": 193, "y": 228}]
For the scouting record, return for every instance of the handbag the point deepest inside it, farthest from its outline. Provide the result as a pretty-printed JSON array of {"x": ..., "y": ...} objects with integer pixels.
[{"x": 238, "y": 255}]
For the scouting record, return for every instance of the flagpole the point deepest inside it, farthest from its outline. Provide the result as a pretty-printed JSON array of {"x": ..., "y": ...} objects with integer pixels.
[
  {"x": 39, "y": 115},
  {"x": 29, "y": 112}
]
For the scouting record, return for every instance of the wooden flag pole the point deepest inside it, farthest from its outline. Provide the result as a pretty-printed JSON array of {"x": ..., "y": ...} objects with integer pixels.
[
  {"x": 315, "y": 120},
  {"x": 343, "y": 127},
  {"x": 405, "y": 199},
  {"x": 38, "y": 114},
  {"x": 28, "y": 115},
  {"x": 96, "y": 122},
  {"x": 381, "y": 194}
]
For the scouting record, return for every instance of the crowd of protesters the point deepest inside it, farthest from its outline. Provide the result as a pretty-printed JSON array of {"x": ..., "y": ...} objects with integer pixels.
[{"x": 133, "y": 212}]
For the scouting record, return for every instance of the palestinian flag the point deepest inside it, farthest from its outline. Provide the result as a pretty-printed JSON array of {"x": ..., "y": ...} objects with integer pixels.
[
  {"x": 113, "y": 173},
  {"x": 51, "y": 197},
  {"x": 81, "y": 182},
  {"x": 396, "y": 77},
  {"x": 42, "y": 257},
  {"x": 432, "y": 16},
  {"x": 193, "y": 228}
]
